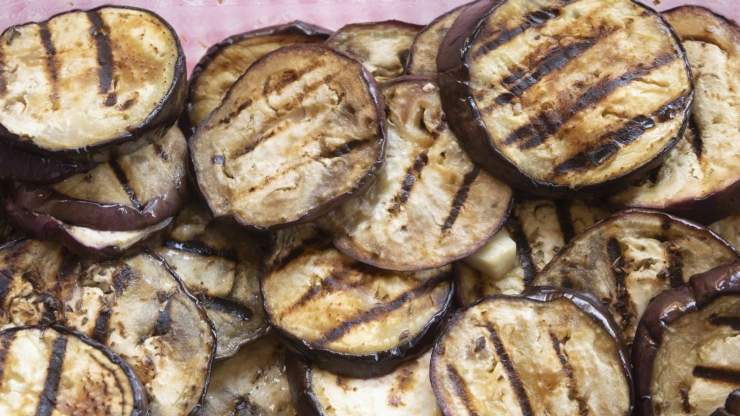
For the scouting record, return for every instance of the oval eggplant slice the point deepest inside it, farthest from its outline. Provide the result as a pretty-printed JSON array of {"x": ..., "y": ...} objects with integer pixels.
[
  {"x": 252, "y": 382},
  {"x": 85, "y": 86},
  {"x": 219, "y": 265},
  {"x": 629, "y": 258},
  {"x": 729, "y": 229},
  {"x": 406, "y": 391},
  {"x": 423, "y": 53},
  {"x": 53, "y": 371},
  {"x": 300, "y": 130},
  {"x": 700, "y": 179},
  {"x": 139, "y": 309},
  {"x": 225, "y": 61},
  {"x": 347, "y": 317},
  {"x": 687, "y": 349},
  {"x": 544, "y": 353},
  {"x": 527, "y": 89},
  {"x": 382, "y": 47},
  {"x": 430, "y": 204}
]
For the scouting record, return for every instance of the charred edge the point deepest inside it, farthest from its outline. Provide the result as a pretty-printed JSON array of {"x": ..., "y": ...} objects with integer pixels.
[
  {"x": 298, "y": 251},
  {"x": 201, "y": 249},
  {"x": 5, "y": 344},
  {"x": 697, "y": 145},
  {"x": 562, "y": 209},
  {"x": 412, "y": 175},
  {"x": 532, "y": 20},
  {"x": 685, "y": 404},
  {"x": 99, "y": 33},
  {"x": 344, "y": 148},
  {"x": 616, "y": 263},
  {"x": 514, "y": 380},
  {"x": 122, "y": 278},
  {"x": 731, "y": 321},
  {"x": 48, "y": 397},
  {"x": 334, "y": 281},
  {"x": 286, "y": 78},
  {"x": 227, "y": 306},
  {"x": 5, "y": 282},
  {"x": 461, "y": 389},
  {"x": 724, "y": 375},
  {"x": 102, "y": 326},
  {"x": 243, "y": 106},
  {"x": 460, "y": 197},
  {"x": 568, "y": 370},
  {"x": 123, "y": 180},
  {"x": 523, "y": 249},
  {"x": 675, "y": 266},
  {"x": 51, "y": 61},
  {"x": 163, "y": 325}
]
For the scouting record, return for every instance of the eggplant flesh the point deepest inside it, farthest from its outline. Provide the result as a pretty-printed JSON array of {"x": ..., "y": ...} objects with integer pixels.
[
  {"x": 423, "y": 53},
  {"x": 729, "y": 229}
]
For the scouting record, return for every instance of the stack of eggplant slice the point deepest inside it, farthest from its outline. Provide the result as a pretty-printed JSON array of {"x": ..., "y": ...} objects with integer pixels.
[{"x": 523, "y": 208}]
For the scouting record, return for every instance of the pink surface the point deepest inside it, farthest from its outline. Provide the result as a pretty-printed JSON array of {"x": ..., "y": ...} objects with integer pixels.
[{"x": 201, "y": 23}]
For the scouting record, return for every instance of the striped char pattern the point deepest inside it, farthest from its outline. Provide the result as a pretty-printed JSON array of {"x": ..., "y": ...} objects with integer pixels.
[
  {"x": 47, "y": 401},
  {"x": 125, "y": 185},
  {"x": 567, "y": 367},
  {"x": 99, "y": 32}
]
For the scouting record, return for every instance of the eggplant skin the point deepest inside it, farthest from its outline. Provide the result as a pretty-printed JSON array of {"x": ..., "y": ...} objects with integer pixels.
[{"x": 20, "y": 165}]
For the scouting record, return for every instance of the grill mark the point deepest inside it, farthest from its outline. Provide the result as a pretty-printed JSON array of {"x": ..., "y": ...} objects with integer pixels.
[
  {"x": 616, "y": 263},
  {"x": 460, "y": 197},
  {"x": 123, "y": 181},
  {"x": 5, "y": 343},
  {"x": 523, "y": 249},
  {"x": 227, "y": 306},
  {"x": 724, "y": 375},
  {"x": 413, "y": 173},
  {"x": 344, "y": 148},
  {"x": 200, "y": 248},
  {"x": 243, "y": 106},
  {"x": 461, "y": 389},
  {"x": 570, "y": 374},
  {"x": 685, "y": 404},
  {"x": 163, "y": 325},
  {"x": 562, "y": 209},
  {"x": 697, "y": 145},
  {"x": 99, "y": 32},
  {"x": 731, "y": 321},
  {"x": 531, "y": 20},
  {"x": 48, "y": 397},
  {"x": 513, "y": 376},
  {"x": 335, "y": 281},
  {"x": 102, "y": 326},
  {"x": 51, "y": 62},
  {"x": 286, "y": 78},
  {"x": 675, "y": 266},
  {"x": 122, "y": 278}
]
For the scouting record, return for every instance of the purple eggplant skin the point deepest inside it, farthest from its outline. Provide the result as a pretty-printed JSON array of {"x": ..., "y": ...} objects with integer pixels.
[
  {"x": 20, "y": 165},
  {"x": 666, "y": 308},
  {"x": 298, "y": 372},
  {"x": 466, "y": 122}
]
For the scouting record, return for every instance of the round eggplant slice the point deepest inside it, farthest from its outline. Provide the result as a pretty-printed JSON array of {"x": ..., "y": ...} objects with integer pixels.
[
  {"x": 54, "y": 371},
  {"x": 534, "y": 233},
  {"x": 700, "y": 179},
  {"x": 544, "y": 353},
  {"x": 225, "y": 61},
  {"x": 527, "y": 89},
  {"x": 139, "y": 309},
  {"x": 252, "y": 382},
  {"x": 128, "y": 193},
  {"x": 219, "y": 265},
  {"x": 406, "y": 391},
  {"x": 301, "y": 130},
  {"x": 347, "y": 317},
  {"x": 382, "y": 47},
  {"x": 85, "y": 86},
  {"x": 687, "y": 349},
  {"x": 729, "y": 229},
  {"x": 423, "y": 53},
  {"x": 629, "y": 258},
  {"x": 430, "y": 204}
]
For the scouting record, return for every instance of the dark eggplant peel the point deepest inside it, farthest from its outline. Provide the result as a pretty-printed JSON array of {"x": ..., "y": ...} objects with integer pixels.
[
  {"x": 559, "y": 96},
  {"x": 301, "y": 130},
  {"x": 47, "y": 371},
  {"x": 430, "y": 204},
  {"x": 423, "y": 53},
  {"x": 347, "y": 317},
  {"x": 547, "y": 352},
  {"x": 382, "y": 47},
  {"x": 21, "y": 165},
  {"x": 629, "y": 258},
  {"x": 687, "y": 349},
  {"x": 90, "y": 84},
  {"x": 729, "y": 229}
]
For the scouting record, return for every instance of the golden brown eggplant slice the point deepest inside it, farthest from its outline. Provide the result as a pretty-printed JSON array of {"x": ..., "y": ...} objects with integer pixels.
[{"x": 423, "y": 53}]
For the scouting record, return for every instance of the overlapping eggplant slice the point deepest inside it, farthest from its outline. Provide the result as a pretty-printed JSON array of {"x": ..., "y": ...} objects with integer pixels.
[
  {"x": 405, "y": 391},
  {"x": 548, "y": 352},
  {"x": 687, "y": 349},
  {"x": 527, "y": 89},
  {"x": 52, "y": 371},
  {"x": 382, "y": 47},
  {"x": 629, "y": 258},
  {"x": 301, "y": 130},
  {"x": 430, "y": 204},
  {"x": 21, "y": 165},
  {"x": 729, "y": 229},
  {"x": 347, "y": 317},
  {"x": 423, "y": 53},
  {"x": 83, "y": 85}
]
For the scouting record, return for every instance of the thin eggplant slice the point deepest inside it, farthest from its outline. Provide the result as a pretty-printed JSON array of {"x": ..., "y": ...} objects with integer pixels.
[
  {"x": 548, "y": 352},
  {"x": 21, "y": 165},
  {"x": 729, "y": 229},
  {"x": 301, "y": 130},
  {"x": 382, "y": 47},
  {"x": 527, "y": 89},
  {"x": 138, "y": 308},
  {"x": 687, "y": 349},
  {"x": 406, "y": 391},
  {"x": 53, "y": 371},
  {"x": 86, "y": 86},
  {"x": 423, "y": 53},
  {"x": 632, "y": 256},
  {"x": 430, "y": 204}
]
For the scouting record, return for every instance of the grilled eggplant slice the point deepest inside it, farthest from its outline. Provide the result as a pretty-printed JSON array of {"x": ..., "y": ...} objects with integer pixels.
[
  {"x": 406, "y": 391},
  {"x": 347, "y": 317},
  {"x": 252, "y": 382},
  {"x": 382, "y": 47},
  {"x": 732, "y": 405},
  {"x": 83, "y": 85},
  {"x": 431, "y": 204},
  {"x": 423, "y": 53},
  {"x": 729, "y": 229},
  {"x": 219, "y": 265},
  {"x": 527, "y": 89},
  {"x": 544, "y": 353},
  {"x": 629, "y": 258},
  {"x": 225, "y": 61},
  {"x": 53, "y": 371},
  {"x": 300, "y": 130},
  {"x": 139, "y": 309},
  {"x": 687, "y": 349}
]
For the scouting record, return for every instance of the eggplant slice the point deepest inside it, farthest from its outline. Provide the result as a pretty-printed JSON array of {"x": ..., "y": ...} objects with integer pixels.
[
  {"x": 548, "y": 352},
  {"x": 347, "y": 317},
  {"x": 729, "y": 229},
  {"x": 430, "y": 204},
  {"x": 301, "y": 130},
  {"x": 53, "y": 371},
  {"x": 225, "y": 61},
  {"x": 219, "y": 265},
  {"x": 139, "y": 309},
  {"x": 382, "y": 47},
  {"x": 423, "y": 53},
  {"x": 252, "y": 382},
  {"x": 629, "y": 258},
  {"x": 83, "y": 85},
  {"x": 406, "y": 391},
  {"x": 21, "y": 165},
  {"x": 527, "y": 89},
  {"x": 687, "y": 349}
]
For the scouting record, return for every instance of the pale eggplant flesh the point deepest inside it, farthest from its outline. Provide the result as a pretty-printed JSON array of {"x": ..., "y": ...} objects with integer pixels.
[
  {"x": 729, "y": 229},
  {"x": 423, "y": 53}
]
